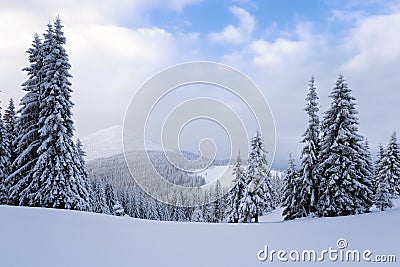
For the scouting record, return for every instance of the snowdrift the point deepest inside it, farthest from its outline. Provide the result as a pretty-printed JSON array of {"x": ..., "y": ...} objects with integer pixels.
[{"x": 48, "y": 237}]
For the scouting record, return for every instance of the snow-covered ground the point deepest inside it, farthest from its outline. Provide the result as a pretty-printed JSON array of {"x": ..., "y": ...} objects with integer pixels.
[
  {"x": 47, "y": 237},
  {"x": 215, "y": 172}
]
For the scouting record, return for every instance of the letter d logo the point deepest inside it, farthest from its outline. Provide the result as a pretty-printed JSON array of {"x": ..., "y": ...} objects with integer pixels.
[{"x": 262, "y": 254}]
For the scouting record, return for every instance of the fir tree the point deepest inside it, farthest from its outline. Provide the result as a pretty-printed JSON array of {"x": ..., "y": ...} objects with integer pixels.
[
  {"x": 110, "y": 197},
  {"x": 219, "y": 205},
  {"x": 378, "y": 167},
  {"x": 308, "y": 183},
  {"x": 98, "y": 196},
  {"x": 84, "y": 187},
  {"x": 258, "y": 193},
  {"x": 383, "y": 196},
  {"x": 344, "y": 188},
  {"x": 365, "y": 167},
  {"x": 391, "y": 166},
  {"x": 118, "y": 209},
  {"x": 4, "y": 164},
  {"x": 291, "y": 193},
  {"x": 236, "y": 193},
  {"x": 10, "y": 125},
  {"x": 197, "y": 215},
  {"x": 22, "y": 189},
  {"x": 56, "y": 175}
]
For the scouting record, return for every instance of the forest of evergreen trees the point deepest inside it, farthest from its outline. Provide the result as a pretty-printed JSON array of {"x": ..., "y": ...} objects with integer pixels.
[
  {"x": 337, "y": 176},
  {"x": 42, "y": 166}
]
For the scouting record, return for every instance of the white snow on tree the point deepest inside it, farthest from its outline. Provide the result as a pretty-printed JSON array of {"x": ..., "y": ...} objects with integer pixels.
[
  {"x": 21, "y": 189},
  {"x": 197, "y": 215},
  {"x": 118, "y": 209},
  {"x": 378, "y": 167},
  {"x": 10, "y": 125},
  {"x": 98, "y": 196},
  {"x": 383, "y": 196},
  {"x": 308, "y": 183},
  {"x": 345, "y": 189},
  {"x": 84, "y": 186},
  {"x": 236, "y": 193},
  {"x": 4, "y": 164},
  {"x": 391, "y": 166},
  {"x": 291, "y": 193},
  {"x": 56, "y": 175},
  {"x": 258, "y": 194}
]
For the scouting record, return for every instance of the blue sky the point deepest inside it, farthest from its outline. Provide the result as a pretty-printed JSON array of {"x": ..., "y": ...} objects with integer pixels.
[{"x": 115, "y": 46}]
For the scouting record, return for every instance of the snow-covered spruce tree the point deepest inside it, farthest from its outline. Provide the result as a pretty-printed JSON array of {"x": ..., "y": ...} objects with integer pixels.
[
  {"x": 258, "y": 194},
  {"x": 366, "y": 164},
  {"x": 391, "y": 166},
  {"x": 118, "y": 209},
  {"x": 197, "y": 215},
  {"x": 382, "y": 196},
  {"x": 345, "y": 187},
  {"x": 379, "y": 163},
  {"x": 110, "y": 197},
  {"x": 236, "y": 193},
  {"x": 291, "y": 193},
  {"x": 98, "y": 196},
  {"x": 308, "y": 183},
  {"x": 208, "y": 209},
  {"x": 85, "y": 186},
  {"x": 219, "y": 205},
  {"x": 4, "y": 163},
  {"x": 10, "y": 124},
  {"x": 21, "y": 189},
  {"x": 56, "y": 175}
]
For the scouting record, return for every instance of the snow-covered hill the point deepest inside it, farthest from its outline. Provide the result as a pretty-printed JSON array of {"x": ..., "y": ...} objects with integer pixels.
[
  {"x": 108, "y": 142},
  {"x": 47, "y": 238}
]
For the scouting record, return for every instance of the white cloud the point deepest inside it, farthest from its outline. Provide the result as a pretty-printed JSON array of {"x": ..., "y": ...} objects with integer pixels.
[
  {"x": 109, "y": 62},
  {"x": 375, "y": 42},
  {"x": 239, "y": 34}
]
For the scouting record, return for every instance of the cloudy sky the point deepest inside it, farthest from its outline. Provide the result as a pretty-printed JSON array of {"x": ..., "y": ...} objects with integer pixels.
[{"x": 114, "y": 46}]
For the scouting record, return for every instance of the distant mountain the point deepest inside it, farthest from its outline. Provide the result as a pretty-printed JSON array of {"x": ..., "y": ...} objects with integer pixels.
[{"x": 108, "y": 142}]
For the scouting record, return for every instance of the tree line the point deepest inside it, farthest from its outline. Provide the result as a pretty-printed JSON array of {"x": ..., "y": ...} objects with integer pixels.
[{"x": 337, "y": 176}]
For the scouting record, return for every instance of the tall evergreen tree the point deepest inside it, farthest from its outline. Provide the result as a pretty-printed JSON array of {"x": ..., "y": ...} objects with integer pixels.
[
  {"x": 236, "y": 193},
  {"x": 98, "y": 196},
  {"x": 4, "y": 164},
  {"x": 197, "y": 215},
  {"x": 111, "y": 200},
  {"x": 379, "y": 163},
  {"x": 21, "y": 189},
  {"x": 258, "y": 193},
  {"x": 84, "y": 186},
  {"x": 56, "y": 175},
  {"x": 391, "y": 166},
  {"x": 308, "y": 184},
  {"x": 382, "y": 195},
  {"x": 344, "y": 189},
  {"x": 291, "y": 193},
  {"x": 219, "y": 204},
  {"x": 10, "y": 125}
]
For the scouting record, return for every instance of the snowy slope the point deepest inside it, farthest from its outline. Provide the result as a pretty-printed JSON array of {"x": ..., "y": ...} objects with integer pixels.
[
  {"x": 107, "y": 143},
  {"x": 47, "y": 238},
  {"x": 212, "y": 173}
]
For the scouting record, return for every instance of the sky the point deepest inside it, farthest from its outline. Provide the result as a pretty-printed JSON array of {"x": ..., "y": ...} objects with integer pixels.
[{"x": 114, "y": 46}]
